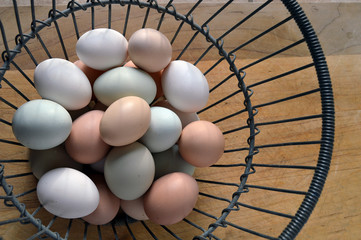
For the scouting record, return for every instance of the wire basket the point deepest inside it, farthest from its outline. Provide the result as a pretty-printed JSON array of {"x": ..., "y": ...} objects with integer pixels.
[{"x": 277, "y": 120}]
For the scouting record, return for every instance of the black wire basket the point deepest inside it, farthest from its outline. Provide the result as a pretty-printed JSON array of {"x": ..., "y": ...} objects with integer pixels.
[{"x": 277, "y": 119}]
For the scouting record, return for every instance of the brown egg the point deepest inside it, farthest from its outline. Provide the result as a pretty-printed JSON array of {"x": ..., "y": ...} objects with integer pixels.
[
  {"x": 125, "y": 121},
  {"x": 149, "y": 49},
  {"x": 91, "y": 73},
  {"x": 157, "y": 76},
  {"x": 134, "y": 208},
  {"x": 201, "y": 143},
  {"x": 171, "y": 198},
  {"x": 84, "y": 143},
  {"x": 108, "y": 206}
]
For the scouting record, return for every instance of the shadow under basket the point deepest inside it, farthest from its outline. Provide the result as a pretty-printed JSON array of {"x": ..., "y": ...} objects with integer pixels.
[{"x": 270, "y": 94}]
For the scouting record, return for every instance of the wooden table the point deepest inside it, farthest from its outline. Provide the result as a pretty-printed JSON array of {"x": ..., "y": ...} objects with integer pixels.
[{"x": 338, "y": 212}]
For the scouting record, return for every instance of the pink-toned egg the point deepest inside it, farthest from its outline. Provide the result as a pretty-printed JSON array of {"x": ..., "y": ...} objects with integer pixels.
[
  {"x": 201, "y": 143},
  {"x": 91, "y": 73},
  {"x": 171, "y": 198},
  {"x": 84, "y": 143},
  {"x": 149, "y": 49},
  {"x": 157, "y": 76},
  {"x": 125, "y": 121},
  {"x": 134, "y": 208},
  {"x": 108, "y": 206}
]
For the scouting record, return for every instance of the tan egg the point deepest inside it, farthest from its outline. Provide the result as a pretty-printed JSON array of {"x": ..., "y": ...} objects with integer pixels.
[
  {"x": 125, "y": 121},
  {"x": 134, "y": 208},
  {"x": 201, "y": 143},
  {"x": 157, "y": 76},
  {"x": 149, "y": 49},
  {"x": 91, "y": 73},
  {"x": 84, "y": 143},
  {"x": 171, "y": 198},
  {"x": 108, "y": 206}
]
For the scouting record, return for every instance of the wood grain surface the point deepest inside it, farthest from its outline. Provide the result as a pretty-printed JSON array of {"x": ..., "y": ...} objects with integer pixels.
[{"x": 337, "y": 214}]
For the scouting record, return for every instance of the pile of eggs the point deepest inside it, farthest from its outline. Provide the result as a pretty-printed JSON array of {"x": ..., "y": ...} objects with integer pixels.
[{"x": 112, "y": 136}]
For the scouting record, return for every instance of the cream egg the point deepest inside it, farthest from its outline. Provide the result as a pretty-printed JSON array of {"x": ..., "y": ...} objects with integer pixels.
[
  {"x": 41, "y": 124},
  {"x": 171, "y": 198},
  {"x": 185, "y": 86},
  {"x": 125, "y": 121},
  {"x": 201, "y": 143},
  {"x": 67, "y": 193},
  {"x": 134, "y": 208},
  {"x": 102, "y": 48},
  {"x": 164, "y": 130},
  {"x": 129, "y": 170},
  {"x": 150, "y": 49},
  {"x": 63, "y": 82},
  {"x": 122, "y": 82}
]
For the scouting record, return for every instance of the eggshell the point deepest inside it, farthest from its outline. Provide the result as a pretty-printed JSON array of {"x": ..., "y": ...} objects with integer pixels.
[
  {"x": 102, "y": 48},
  {"x": 185, "y": 86},
  {"x": 41, "y": 124},
  {"x": 67, "y": 193},
  {"x": 157, "y": 77},
  {"x": 91, "y": 73},
  {"x": 129, "y": 170},
  {"x": 134, "y": 208},
  {"x": 108, "y": 206},
  {"x": 124, "y": 81},
  {"x": 171, "y": 161},
  {"x": 150, "y": 49},
  {"x": 125, "y": 121},
  {"x": 185, "y": 117},
  {"x": 201, "y": 143},
  {"x": 171, "y": 198},
  {"x": 42, "y": 161},
  {"x": 164, "y": 130},
  {"x": 84, "y": 143},
  {"x": 63, "y": 82}
]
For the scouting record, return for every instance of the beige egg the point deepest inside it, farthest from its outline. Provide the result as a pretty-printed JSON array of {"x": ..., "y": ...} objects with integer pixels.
[
  {"x": 201, "y": 143},
  {"x": 171, "y": 198},
  {"x": 108, "y": 206},
  {"x": 157, "y": 76},
  {"x": 125, "y": 121},
  {"x": 134, "y": 208},
  {"x": 149, "y": 49},
  {"x": 84, "y": 143}
]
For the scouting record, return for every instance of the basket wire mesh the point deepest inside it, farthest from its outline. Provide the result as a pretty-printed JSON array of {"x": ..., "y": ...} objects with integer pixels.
[{"x": 237, "y": 101}]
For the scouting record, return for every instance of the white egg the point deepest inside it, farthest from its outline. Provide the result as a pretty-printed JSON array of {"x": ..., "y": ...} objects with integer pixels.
[
  {"x": 102, "y": 48},
  {"x": 67, "y": 193},
  {"x": 63, "y": 82},
  {"x": 171, "y": 161},
  {"x": 185, "y": 86},
  {"x": 41, "y": 124},
  {"x": 122, "y": 82},
  {"x": 164, "y": 130},
  {"x": 129, "y": 171}
]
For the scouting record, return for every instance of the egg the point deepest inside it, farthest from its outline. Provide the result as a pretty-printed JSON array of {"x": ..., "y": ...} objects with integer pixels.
[
  {"x": 164, "y": 130},
  {"x": 125, "y": 121},
  {"x": 157, "y": 77},
  {"x": 102, "y": 48},
  {"x": 129, "y": 170},
  {"x": 67, "y": 193},
  {"x": 185, "y": 86},
  {"x": 170, "y": 161},
  {"x": 150, "y": 49},
  {"x": 84, "y": 143},
  {"x": 124, "y": 81},
  {"x": 63, "y": 82},
  {"x": 201, "y": 143},
  {"x": 41, "y": 124},
  {"x": 134, "y": 208},
  {"x": 108, "y": 206},
  {"x": 171, "y": 198},
  {"x": 42, "y": 161},
  {"x": 185, "y": 117},
  {"x": 91, "y": 73}
]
